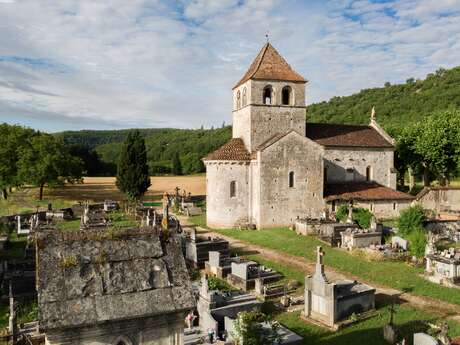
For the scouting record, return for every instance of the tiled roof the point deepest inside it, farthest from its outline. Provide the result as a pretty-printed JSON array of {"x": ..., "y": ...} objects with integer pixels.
[
  {"x": 270, "y": 65},
  {"x": 345, "y": 135},
  {"x": 362, "y": 191},
  {"x": 234, "y": 150}
]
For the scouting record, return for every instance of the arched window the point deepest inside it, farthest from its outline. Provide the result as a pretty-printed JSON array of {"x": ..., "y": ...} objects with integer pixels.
[
  {"x": 369, "y": 173},
  {"x": 244, "y": 97},
  {"x": 286, "y": 95},
  {"x": 238, "y": 100},
  {"x": 232, "y": 189},
  {"x": 291, "y": 179},
  {"x": 267, "y": 95},
  {"x": 325, "y": 175}
]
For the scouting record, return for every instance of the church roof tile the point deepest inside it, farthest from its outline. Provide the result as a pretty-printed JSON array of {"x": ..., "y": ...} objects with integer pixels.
[
  {"x": 346, "y": 135},
  {"x": 270, "y": 65},
  {"x": 234, "y": 150},
  {"x": 365, "y": 191}
]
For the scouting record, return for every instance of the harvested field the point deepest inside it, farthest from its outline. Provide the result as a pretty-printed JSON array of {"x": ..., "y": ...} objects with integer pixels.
[{"x": 102, "y": 188}]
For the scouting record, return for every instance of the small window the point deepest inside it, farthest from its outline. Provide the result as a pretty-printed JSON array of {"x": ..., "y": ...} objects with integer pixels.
[
  {"x": 232, "y": 189},
  {"x": 267, "y": 95},
  {"x": 333, "y": 206},
  {"x": 369, "y": 173},
  {"x": 372, "y": 207},
  {"x": 394, "y": 206},
  {"x": 291, "y": 179},
  {"x": 244, "y": 97},
  {"x": 286, "y": 95},
  {"x": 238, "y": 100}
]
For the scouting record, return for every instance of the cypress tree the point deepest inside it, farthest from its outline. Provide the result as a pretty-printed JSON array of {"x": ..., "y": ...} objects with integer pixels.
[
  {"x": 176, "y": 164},
  {"x": 132, "y": 171}
]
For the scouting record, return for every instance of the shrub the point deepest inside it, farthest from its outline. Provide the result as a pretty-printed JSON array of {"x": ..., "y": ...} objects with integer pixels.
[
  {"x": 417, "y": 242},
  {"x": 411, "y": 219},
  {"x": 410, "y": 227},
  {"x": 362, "y": 216},
  {"x": 215, "y": 283}
]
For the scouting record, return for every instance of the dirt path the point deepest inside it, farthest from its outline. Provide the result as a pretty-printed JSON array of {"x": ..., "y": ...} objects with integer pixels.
[{"x": 444, "y": 309}]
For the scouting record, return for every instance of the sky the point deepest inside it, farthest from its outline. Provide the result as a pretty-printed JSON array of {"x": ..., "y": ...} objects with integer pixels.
[{"x": 93, "y": 64}]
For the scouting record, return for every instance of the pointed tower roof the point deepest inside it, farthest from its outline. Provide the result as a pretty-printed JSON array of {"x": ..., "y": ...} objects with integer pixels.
[{"x": 270, "y": 65}]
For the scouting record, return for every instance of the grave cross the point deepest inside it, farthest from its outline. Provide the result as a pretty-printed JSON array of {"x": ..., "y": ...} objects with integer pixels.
[{"x": 319, "y": 255}]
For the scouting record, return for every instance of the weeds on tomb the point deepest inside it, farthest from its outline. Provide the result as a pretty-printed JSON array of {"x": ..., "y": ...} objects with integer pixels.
[{"x": 68, "y": 262}]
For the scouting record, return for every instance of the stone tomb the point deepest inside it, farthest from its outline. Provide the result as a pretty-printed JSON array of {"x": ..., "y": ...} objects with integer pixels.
[
  {"x": 197, "y": 248},
  {"x": 95, "y": 288},
  {"x": 326, "y": 230},
  {"x": 444, "y": 267},
  {"x": 331, "y": 302},
  {"x": 214, "y": 306},
  {"x": 219, "y": 265},
  {"x": 361, "y": 238},
  {"x": 245, "y": 273}
]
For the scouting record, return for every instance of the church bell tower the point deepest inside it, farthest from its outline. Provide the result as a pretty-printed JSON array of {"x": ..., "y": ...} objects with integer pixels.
[{"x": 268, "y": 100}]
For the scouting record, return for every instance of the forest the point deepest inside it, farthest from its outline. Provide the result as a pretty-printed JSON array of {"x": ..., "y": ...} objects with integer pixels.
[
  {"x": 396, "y": 105},
  {"x": 399, "y": 108}
]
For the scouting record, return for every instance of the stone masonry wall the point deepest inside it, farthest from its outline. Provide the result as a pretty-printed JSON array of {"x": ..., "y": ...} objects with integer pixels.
[
  {"x": 257, "y": 122},
  {"x": 280, "y": 205},
  {"x": 221, "y": 209},
  {"x": 164, "y": 330},
  {"x": 338, "y": 160}
]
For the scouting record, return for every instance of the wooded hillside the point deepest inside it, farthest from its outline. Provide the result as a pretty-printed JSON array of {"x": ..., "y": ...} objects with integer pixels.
[{"x": 396, "y": 105}]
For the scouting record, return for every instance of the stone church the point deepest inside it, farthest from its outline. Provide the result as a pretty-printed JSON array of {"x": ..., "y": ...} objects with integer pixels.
[{"x": 278, "y": 167}]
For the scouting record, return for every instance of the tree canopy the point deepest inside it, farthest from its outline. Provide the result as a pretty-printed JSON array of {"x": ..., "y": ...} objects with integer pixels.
[
  {"x": 45, "y": 160},
  {"x": 133, "y": 173}
]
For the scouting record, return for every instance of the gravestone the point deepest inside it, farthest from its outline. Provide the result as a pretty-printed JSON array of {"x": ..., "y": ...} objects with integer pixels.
[
  {"x": 424, "y": 339},
  {"x": 399, "y": 241}
]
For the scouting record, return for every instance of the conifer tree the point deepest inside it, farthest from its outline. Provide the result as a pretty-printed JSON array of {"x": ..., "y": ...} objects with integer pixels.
[
  {"x": 176, "y": 164},
  {"x": 132, "y": 172}
]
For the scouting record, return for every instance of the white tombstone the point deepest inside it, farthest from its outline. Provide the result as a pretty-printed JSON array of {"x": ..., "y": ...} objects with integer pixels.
[{"x": 424, "y": 339}]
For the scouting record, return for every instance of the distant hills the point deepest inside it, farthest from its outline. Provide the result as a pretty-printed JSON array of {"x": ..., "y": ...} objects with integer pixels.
[
  {"x": 100, "y": 148},
  {"x": 396, "y": 105}
]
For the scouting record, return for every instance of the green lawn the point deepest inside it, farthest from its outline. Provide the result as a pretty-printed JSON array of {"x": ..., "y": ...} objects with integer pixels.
[
  {"x": 409, "y": 321},
  {"x": 397, "y": 275},
  {"x": 25, "y": 201}
]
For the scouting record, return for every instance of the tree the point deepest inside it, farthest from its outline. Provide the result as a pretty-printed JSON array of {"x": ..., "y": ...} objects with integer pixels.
[
  {"x": 45, "y": 160},
  {"x": 133, "y": 172},
  {"x": 12, "y": 139},
  {"x": 176, "y": 164},
  {"x": 361, "y": 215},
  {"x": 438, "y": 144}
]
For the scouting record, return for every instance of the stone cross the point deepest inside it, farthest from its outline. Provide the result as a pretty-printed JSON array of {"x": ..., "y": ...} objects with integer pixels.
[
  {"x": 350, "y": 212},
  {"x": 319, "y": 255},
  {"x": 319, "y": 271}
]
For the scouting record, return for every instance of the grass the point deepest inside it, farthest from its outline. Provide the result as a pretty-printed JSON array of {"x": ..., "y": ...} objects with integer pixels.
[
  {"x": 393, "y": 274},
  {"x": 27, "y": 312},
  {"x": 25, "y": 201},
  {"x": 118, "y": 220},
  {"x": 408, "y": 321},
  {"x": 15, "y": 248},
  {"x": 361, "y": 332}
]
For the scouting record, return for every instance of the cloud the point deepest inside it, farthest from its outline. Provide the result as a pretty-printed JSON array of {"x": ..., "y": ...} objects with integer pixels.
[{"x": 154, "y": 63}]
